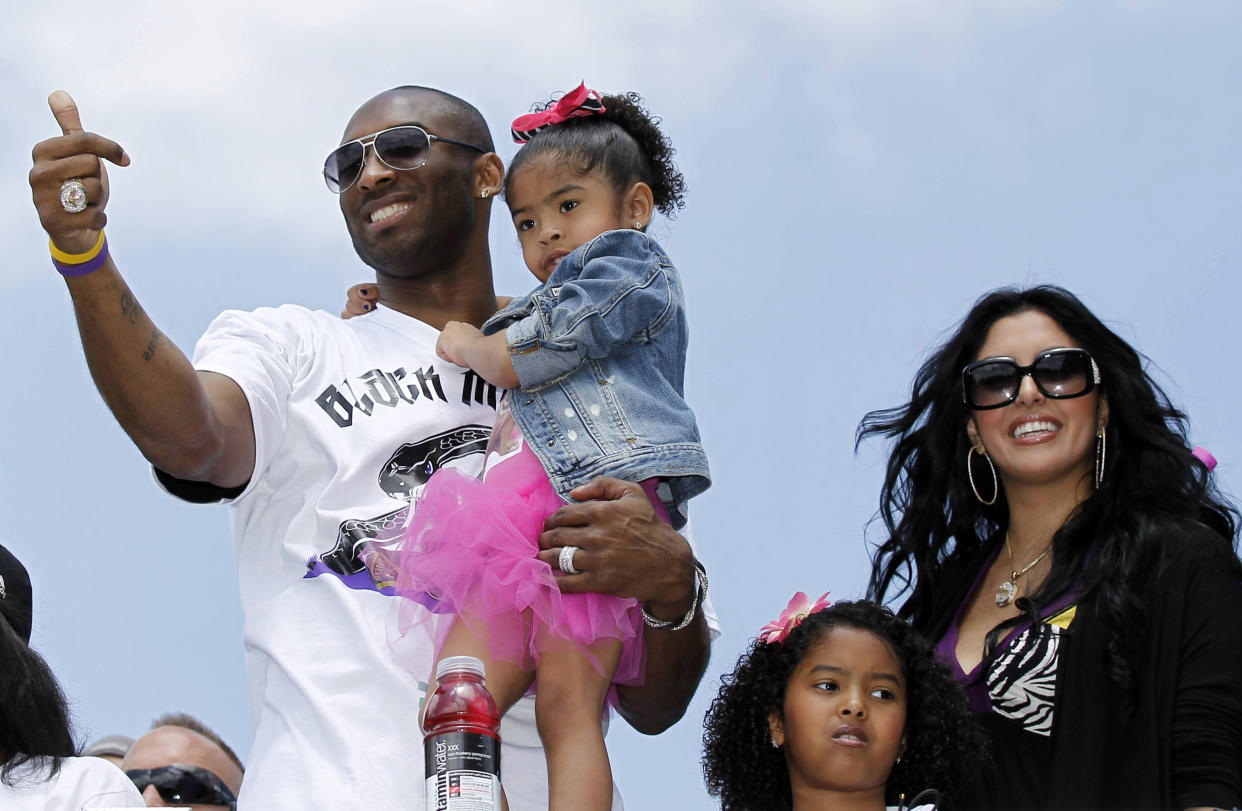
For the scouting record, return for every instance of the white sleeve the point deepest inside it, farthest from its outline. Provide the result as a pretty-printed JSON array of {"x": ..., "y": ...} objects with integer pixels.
[
  {"x": 259, "y": 352},
  {"x": 91, "y": 782},
  {"x": 709, "y": 610}
]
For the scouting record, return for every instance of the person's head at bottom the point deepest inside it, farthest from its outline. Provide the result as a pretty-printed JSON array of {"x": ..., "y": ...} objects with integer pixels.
[
  {"x": 837, "y": 706},
  {"x": 181, "y": 762}
]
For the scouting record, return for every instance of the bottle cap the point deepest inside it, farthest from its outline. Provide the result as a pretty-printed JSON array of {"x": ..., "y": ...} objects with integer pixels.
[{"x": 459, "y": 664}]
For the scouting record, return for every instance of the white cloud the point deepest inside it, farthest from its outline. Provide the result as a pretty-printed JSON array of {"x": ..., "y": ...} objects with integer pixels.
[{"x": 227, "y": 109}]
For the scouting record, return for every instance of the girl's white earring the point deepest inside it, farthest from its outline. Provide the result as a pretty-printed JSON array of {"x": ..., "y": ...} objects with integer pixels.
[{"x": 485, "y": 192}]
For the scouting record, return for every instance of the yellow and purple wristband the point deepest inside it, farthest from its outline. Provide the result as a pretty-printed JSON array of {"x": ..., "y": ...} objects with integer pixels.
[{"x": 80, "y": 264}]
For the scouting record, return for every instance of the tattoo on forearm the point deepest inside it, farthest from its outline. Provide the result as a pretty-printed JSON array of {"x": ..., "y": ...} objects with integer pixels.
[
  {"x": 151, "y": 345},
  {"x": 130, "y": 308}
]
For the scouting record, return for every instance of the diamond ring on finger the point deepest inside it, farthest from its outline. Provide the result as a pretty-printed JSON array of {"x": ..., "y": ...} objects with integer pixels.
[
  {"x": 566, "y": 560},
  {"x": 73, "y": 196}
]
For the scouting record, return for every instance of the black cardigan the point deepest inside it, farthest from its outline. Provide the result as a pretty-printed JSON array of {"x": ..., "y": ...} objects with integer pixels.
[{"x": 1181, "y": 746}]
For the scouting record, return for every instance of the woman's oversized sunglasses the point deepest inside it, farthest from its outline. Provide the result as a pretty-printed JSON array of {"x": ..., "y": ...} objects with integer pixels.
[
  {"x": 182, "y": 784},
  {"x": 1058, "y": 373},
  {"x": 402, "y": 148}
]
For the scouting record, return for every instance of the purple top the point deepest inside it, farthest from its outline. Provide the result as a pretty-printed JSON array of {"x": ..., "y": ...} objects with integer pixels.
[{"x": 974, "y": 683}]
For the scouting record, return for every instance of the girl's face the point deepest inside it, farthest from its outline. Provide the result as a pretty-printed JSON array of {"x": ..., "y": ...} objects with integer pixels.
[
  {"x": 844, "y": 715},
  {"x": 1036, "y": 439},
  {"x": 555, "y": 209}
]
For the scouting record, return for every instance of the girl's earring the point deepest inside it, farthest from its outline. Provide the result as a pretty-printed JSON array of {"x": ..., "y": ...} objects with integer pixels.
[
  {"x": 775, "y": 745},
  {"x": 484, "y": 192}
]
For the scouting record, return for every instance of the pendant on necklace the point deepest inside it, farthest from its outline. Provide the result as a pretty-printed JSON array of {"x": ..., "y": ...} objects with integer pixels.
[{"x": 1005, "y": 593}]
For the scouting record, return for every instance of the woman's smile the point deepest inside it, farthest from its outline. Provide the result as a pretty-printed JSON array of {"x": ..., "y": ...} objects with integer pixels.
[{"x": 1035, "y": 439}]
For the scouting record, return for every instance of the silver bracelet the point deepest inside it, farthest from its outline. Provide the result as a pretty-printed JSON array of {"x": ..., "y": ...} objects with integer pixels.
[{"x": 700, "y": 594}]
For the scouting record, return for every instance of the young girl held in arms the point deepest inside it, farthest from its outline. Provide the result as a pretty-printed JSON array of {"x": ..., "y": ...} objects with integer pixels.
[
  {"x": 838, "y": 707},
  {"x": 594, "y": 362}
]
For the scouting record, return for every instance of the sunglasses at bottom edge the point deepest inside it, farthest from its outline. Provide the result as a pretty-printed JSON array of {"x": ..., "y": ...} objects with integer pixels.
[{"x": 184, "y": 784}]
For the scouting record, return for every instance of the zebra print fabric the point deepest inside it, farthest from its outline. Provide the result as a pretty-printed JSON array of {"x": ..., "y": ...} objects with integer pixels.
[{"x": 1022, "y": 680}]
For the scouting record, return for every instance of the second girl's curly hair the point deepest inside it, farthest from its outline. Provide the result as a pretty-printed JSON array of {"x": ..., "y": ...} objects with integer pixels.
[
  {"x": 624, "y": 143},
  {"x": 743, "y": 769}
]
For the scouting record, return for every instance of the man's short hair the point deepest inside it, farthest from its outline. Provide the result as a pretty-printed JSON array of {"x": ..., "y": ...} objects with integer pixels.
[
  {"x": 186, "y": 721},
  {"x": 467, "y": 120}
]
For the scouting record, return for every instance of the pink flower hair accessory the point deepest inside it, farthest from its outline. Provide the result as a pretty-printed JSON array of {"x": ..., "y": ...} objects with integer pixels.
[
  {"x": 580, "y": 101},
  {"x": 800, "y": 607}
]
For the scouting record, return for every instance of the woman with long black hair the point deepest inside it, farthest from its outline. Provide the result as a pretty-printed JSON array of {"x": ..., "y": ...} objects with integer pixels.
[
  {"x": 38, "y": 764},
  {"x": 1055, "y": 535}
]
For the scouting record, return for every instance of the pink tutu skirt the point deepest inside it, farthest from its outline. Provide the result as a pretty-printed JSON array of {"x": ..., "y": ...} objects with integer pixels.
[{"x": 468, "y": 555}]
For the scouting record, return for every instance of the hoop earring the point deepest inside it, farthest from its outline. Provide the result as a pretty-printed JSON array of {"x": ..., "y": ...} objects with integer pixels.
[
  {"x": 970, "y": 474},
  {"x": 1101, "y": 448}
]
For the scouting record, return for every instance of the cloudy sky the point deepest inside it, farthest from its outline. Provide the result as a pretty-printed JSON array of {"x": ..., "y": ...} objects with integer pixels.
[{"x": 859, "y": 173}]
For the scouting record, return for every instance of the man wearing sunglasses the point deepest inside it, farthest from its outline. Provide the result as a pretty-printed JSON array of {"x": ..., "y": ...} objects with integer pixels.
[
  {"x": 321, "y": 432},
  {"x": 181, "y": 762}
]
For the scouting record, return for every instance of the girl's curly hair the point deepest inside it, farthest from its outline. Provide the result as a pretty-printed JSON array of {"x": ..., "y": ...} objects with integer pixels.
[
  {"x": 943, "y": 744},
  {"x": 624, "y": 143}
]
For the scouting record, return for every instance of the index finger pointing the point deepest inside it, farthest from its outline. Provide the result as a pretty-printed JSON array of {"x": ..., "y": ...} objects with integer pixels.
[{"x": 66, "y": 112}]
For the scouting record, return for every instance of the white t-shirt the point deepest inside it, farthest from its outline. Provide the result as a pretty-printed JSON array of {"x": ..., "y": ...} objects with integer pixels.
[
  {"x": 350, "y": 418},
  {"x": 82, "y": 783}
]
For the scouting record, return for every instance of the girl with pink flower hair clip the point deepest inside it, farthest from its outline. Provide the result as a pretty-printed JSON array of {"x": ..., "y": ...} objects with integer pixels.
[{"x": 842, "y": 706}]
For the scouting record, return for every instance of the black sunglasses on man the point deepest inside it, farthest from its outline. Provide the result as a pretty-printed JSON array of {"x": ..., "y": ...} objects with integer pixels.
[{"x": 183, "y": 784}]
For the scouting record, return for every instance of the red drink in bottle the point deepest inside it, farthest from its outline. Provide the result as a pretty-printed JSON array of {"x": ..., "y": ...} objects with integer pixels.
[{"x": 461, "y": 740}]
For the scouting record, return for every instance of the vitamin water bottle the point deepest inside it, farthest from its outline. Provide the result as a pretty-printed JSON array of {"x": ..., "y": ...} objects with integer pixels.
[{"x": 461, "y": 740}]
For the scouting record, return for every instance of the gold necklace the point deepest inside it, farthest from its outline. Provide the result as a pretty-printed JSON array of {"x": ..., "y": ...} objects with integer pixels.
[{"x": 1009, "y": 588}]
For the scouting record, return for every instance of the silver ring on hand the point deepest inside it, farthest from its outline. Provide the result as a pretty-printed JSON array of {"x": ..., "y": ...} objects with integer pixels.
[
  {"x": 566, "y": 561},
  {"x": 73, "y": 196}
]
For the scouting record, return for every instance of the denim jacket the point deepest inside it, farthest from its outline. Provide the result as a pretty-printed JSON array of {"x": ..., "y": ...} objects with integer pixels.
[{"x": 600, "y": 355}]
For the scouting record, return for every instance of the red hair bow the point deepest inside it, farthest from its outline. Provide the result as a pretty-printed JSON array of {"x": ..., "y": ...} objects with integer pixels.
[{"x": 581, "y": 101}]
